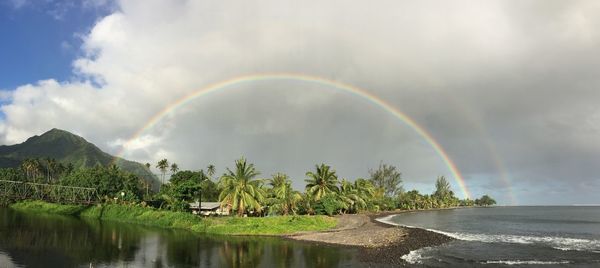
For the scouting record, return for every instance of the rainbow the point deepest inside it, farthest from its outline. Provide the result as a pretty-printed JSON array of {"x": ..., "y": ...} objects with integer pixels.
[{"x": 356, "y": 91}]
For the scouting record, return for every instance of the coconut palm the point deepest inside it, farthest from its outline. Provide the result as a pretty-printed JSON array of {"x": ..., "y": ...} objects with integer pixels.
[
  {"x": 27, "y": 166},
  {"x": 321, "y": 183},
  {"x": 174, "y": 168},
  {"x": 240, "y": 189},
  {"x": 162, "y": 165},
  {"x": 210, "y": 170},
  {"x": 37, "y": 168},
  {"x": 53, "y": 169},
  {"x": 365, "y": 188},
  {"x": 278, "y": 180},
  {"x": 352, "y": 197},
  {"x": 284, "y": 199}
]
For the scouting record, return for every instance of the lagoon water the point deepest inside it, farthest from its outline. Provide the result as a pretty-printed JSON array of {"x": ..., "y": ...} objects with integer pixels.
[
  {"x": 509, "y": 236},
  {"x": 30, "y": 240}
]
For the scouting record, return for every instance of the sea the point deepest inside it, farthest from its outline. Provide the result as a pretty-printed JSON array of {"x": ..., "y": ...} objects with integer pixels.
[{"x": 518, "y": 236}]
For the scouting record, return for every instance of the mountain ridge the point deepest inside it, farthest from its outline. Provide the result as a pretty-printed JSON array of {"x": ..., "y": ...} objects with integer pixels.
[{"x": 66, "y": 147}]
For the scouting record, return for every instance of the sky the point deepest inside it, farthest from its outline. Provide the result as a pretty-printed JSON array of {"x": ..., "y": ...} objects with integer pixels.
[{"x": 508, "y": 89}]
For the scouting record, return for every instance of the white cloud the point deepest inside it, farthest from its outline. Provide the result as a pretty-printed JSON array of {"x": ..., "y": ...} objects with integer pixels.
[{"x": 17, "y": 4}]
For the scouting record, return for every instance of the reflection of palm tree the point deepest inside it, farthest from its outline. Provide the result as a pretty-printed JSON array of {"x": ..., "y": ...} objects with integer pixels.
[
  {"x": 319, "y": 256},
  {"x": 246, "y": 253},
  {"x": 240, "y": 190}
]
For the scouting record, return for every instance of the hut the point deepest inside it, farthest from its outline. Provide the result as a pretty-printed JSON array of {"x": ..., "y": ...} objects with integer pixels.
[{"x": 209, "y": 208}]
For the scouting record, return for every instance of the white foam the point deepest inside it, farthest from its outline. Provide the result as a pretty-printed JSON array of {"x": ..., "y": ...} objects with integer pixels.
[
  {"x": 519, "y": 262},
  {"x": 561, "y": 243},
  {"x": 415, "y": 256}
]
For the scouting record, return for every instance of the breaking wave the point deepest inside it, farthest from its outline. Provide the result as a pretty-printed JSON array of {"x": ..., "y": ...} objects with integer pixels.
[
  {"x": 519, "y": 262},
  {"x": 561, "y": 243}
]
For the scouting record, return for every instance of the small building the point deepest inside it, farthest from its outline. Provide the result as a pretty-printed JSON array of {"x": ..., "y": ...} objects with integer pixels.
[{"x": 209, "y": 208}]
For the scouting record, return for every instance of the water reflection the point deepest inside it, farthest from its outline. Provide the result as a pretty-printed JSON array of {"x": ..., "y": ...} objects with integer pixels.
[{"x": 57, "y": 241}]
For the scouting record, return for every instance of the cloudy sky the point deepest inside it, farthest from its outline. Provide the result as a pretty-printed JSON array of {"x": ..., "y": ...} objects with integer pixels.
[{"x": 510, "y": 89}]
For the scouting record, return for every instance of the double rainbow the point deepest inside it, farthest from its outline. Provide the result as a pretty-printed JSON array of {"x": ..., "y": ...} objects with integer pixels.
[{"x": 353, "y": 90}]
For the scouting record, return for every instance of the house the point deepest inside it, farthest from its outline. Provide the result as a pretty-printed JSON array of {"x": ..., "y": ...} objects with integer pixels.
[{"x": 209, "y": 208}]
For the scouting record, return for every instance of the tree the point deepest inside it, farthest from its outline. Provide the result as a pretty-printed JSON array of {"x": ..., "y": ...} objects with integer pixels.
[
  {"x": 27, "y": 167},
  {"x": 163, "y": 165},
  {"x": 210, "y": 170},
  {"x": 321, "y": 183},
  {"x": 186, "y": 185},
  {"x": 148, "y": 166},
  {"x": 411, "y": 200},
  {"x": 442, "y": 187},
  {"x": 485, "y": 200},
  {"x": 108, "y": 181},
  {"x": 174, "y": 168},
  {"x": 240, "y": 189},
  {"x": 278, "y": 180},
  {"x": 351, "y": 197},
  {"x": 386, "y": 177},
  {"x": 284, "y": 199}
]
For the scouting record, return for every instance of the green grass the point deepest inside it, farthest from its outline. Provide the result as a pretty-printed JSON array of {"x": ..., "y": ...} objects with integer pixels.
[
  {"x": 269, "y": 225},
  {"x": 277, "y": 225},
  {"x": 44, "y": 207}
]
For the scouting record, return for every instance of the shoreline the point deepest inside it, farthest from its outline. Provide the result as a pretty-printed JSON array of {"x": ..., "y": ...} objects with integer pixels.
[{"x": 378, "y": 242}]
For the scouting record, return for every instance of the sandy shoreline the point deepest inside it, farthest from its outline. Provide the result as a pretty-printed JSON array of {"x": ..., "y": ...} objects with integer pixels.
[{"x": 378, "y": 242}]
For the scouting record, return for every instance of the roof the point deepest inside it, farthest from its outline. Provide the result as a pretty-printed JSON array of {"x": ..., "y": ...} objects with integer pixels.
[{"x": 206, "y": 205}]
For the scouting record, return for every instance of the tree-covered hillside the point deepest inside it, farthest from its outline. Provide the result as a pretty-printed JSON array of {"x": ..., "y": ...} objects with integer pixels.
[{"x": 66, "y": 148}]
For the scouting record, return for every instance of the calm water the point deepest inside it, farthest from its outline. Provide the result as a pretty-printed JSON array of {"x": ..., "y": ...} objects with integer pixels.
[
  {"x": 28, "y": 240},
  {"x": 510, "y": 236}
]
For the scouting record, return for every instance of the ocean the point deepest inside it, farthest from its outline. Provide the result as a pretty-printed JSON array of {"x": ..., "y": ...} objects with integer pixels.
[{"x": 521, "y": 236}]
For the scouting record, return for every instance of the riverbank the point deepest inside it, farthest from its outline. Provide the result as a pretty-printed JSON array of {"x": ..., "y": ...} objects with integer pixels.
[
  {"x": 380, "y": 243},
  {"x": 279, "y": 225}
]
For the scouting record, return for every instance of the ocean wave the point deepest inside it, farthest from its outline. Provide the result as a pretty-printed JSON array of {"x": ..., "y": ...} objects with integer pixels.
[
  {"x": 519, "y": 262},
  {"x": 415, "y": 256},
  {"x": 561, "y": 243}
]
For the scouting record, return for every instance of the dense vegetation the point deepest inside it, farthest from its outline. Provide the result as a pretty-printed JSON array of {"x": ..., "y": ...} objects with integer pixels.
[
  {"x": 56, "y": 151},
  {"x": 244, "y": 192}
]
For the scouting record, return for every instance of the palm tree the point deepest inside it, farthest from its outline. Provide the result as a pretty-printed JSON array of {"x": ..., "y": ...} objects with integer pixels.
[
  {"x": 27, "y": 166},
  {"x": 210, "y": 170},
  {"x": 365, "y": 188},
  {"x": 47, "y": 169},
  {"x": 278, "y": 180},
  {"x": 284, "y": 199},
  {"x": 36, "y": 167},
  {"x": 53, "y": 168},
  {"x": 352, "y": 197},
  {"x": 162, "y": 165},
  {"x": 240, "y": 189},
  {"x": 321, "y": 183},
  {"x": 174, "y": 168},
  {"x": 148, "y": 166}
]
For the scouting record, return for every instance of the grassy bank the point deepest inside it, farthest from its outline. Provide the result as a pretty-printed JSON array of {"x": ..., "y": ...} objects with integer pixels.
[{"x": 278, "y": 225}]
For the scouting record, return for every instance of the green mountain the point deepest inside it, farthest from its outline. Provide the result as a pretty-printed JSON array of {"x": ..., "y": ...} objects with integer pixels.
[{"x": 66, "y": 148}]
